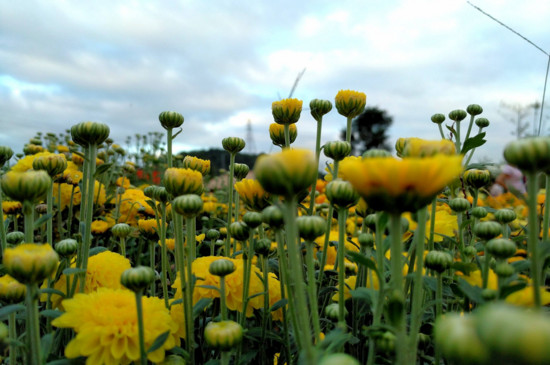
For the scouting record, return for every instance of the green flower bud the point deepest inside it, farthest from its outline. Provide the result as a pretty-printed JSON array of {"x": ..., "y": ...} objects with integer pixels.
[
  {"x": 438, "y": 261},
  {"x": 137, "y": 278},
  {"x": 332, "y": 311},
  {"x": 149, "y": 191},
  {"x": 263, "y": 246},
  {"x": 457, "y": 115},
  {"x": 240, "y": 170},
  {"x": 121, "y": 230},
  {"x": 489, "y": 294},
  {"x": 457, "y": 339},
  {"x": 487, "y": 230},
  {"x": 11, "y": 291},
  {"x": 529, "y": 154},
  {"x": 470, "y": 251},
  {"x": 89, "y": 133},
  {"x": 15, "y": 237},
  {"x": 477, "y": 178},
  {"x": 6, "y": 154},
  {"x": 277, "y": 134},
  {"x": 376, "y": 152},
  {"x": 233, "y": 144},
  {"x": 370, "y": 221},
  {"x": 188, "y": 205},
  {"x": 474, "y": 109},
  {"x": 160, "y": 194},
  {"x": 273, "y": 216},
  {"x": 479, "y": 212},
  {"x": 337, "y": 150},
  {"x": 386, "y": 342},
  {"x": 311, "y": 227},
  {"x": 30, "y": 263},
  {"x": 36, "y": 141},
  {"x": 222, "y": 267},
  {"x": 366, "y": 240},
  {"x": 504, "y": 269},
  {"x": 400, "y": 146},
  {"x": 341, "y": 194},
  {"x": 514, "y": 335},
  {"x": 501, "y": 248},
  {"x": 224, "y": 335},
  {"x": 212, "y": 234},
  {"x": 288, "y": 172},
  {"x": 318, "y": 108},
  {"x": 505, "y": 215},
  {"x": 338, "y": 359},
  {"x": 252, "y": 219},
  {"x": 482, "y": 122},
  {"x": 66, "y": 248},
  {"x": 26, "y": 186},
  {"x": 52, "y": 164},
  {"x": 438, "y": 118},
  {"x": 239, "y": 231},
  {"x": 170, "y": 120}
]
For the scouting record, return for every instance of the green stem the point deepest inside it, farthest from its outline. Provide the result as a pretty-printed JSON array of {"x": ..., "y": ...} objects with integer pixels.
[
  {"x": 152, "y": 245},
  {"x": 418, "y": 289},
  {"x": 283, "y": 279},
  {"x": 348, "y": 130},
  {"x": 33, "y": 326},
  {"x": 222, "y": 298},
  {"x": 164, "y": 256},
  {"x": 227, "y": 252},
  {"x": 432, "y": 225},
  {"x": 486, "y": 268},
  {"x": 190, "y": 287},
  {"x": 13, "y": 336},
  {"x": 457, "y": 142},
  {"x": 141, "y": 331},
  {"x": 287, "y": 135},
  {"x": 533, "y": 235},
  {"x": 70, "y": 213},
  {"x": 312, "y": 291},
  {"x": 396, "y": 264},
  {"x": 49, "y": 222},
  {"x": 438, "y": 309},
  {"x": 469, "y": 128},
  {"x": 28, "y": 221},
  {"x": 317, "y": 155},
  {"x": 441, "y": 131},
  {"x": 329, "y": 226},
  {"x": 169, "y": 147},
  {"x": 341, "y": 268},
  {"x": 58, "y": 213},
  {"x": 296, "y": 290},
  {"x": 3, "y": 243},
  {"x": 266, "y": 313}
]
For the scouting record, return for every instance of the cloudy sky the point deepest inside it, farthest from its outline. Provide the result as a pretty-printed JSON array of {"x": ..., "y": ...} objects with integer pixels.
[{"x": 222, "y": 64}]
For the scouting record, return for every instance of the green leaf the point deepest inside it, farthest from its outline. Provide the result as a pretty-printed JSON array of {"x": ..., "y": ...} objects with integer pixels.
[
  {"x": 451, "y": 129},
  {"x": 99, "y": 249},
  {"x": 278, "y": 304},
  {"x": 51, "y": 313},
  {"x": 52, "y": 291},
  {"x": 40, "y": 221},
  {"x": 101, "y": 169},
  {"x": 363, "y": 260},
  {"x": 509, "y": 289},
  {"x": 175, "y": 302},
  {"x": 463, "y": 267},
  {"x": 200, "y": 306},
  {"x": 472, "y": 292},
  {"x": 178, "y": 132},
  {"x": 473, "y": 142},
  {"x": 5, "y": 311},
  {"x": 73, "y": 271},
  {"x": 159, "y": 341},
  {"x": 256, "y": 295}
]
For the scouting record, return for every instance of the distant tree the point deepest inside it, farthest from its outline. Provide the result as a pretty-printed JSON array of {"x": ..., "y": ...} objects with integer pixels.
[{"x": 369, "y": 130}]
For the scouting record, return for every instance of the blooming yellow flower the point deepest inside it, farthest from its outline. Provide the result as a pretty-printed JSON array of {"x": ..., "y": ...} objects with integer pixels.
[
  {"x": 106, "y": 327},
  {"x": 133, "y": 201},
  {"x": 99, "y": 226},
  {"x": 524, "y": 297},
  {"x": 104, "y": 271},
  {"x": 11, "y": 291},
  {"x": 62, "y": 149},
  {"x": 252, "y": 193},
  {"x": 286, "y": 111},
  {"x": 30, "y": 263},
  {"x": 277, "y": 133},
  {"x": 350, "y": 103},
  {"x": 25, "y": 163},
  {"x": 170, "y": 243},
  {"x": 182, "y": 181},
  {"x": 10, "y": 207},
  {"x": 123, "y": 181},
  {"x": 445, "y": 225},
  {"x": 330, "y": 168},
  {"x": 394, "y": 185},
  {"x": 148, "y": 225}
]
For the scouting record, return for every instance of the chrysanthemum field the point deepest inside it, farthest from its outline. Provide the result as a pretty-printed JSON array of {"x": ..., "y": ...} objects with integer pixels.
[{"x": 412, "y": 256}]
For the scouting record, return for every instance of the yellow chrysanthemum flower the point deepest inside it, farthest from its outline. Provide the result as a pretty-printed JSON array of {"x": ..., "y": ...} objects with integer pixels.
[
  {"x": 394, "y": 185},
  {"x": 182, "y": 181},
  {"x": 61, "y": 149},
  {"x": 328, "y": 177},
  {"x": 445, "y": 225},
  {"x": 350, "y": 103},
  {"x": 170, "y": 243},
  {"x": 417, "y": 147},
  {"x": 25, "y": 163},
  {"x": 197, "y": 164},
  {"x": 104, "y": 271},
  {"x": 252, "y": 193},
  {"x": 123, "y": 181},
  {"x": 11, "y": 291},
  {"x": 133, "y": 201},
  {"x": 10, "y": 207},
  {"x": 148, "y": 225},
  {"x": 277, "y": 133},
  {"x": 99, "y": 226},
  {"x": 106, "y": 327},
  {"x": 286, "y": 111}
]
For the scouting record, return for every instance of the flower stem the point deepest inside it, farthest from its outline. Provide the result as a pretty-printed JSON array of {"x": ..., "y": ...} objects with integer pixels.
[
  {"x": 164, "y": 255},
  {"x": 312, "y": 291},
  {"x": 317, "y": 154},
  {"x": 545, "y": 220},
  {"x": 227, "y": 252},
  {"x": 13, "y": 336},
  {"x": 432, "y": 225},
  {"x": 189, "y": 287},
  {"x": 418, "y": 292},
  {"x": 29, "y": 221},
  {"x": 139, "y": 306},
  {"x": 3, "y": 243},
  {"x": 287, "y": 135},
  {"x": 341, "y": 268},
  {"x": 283, "y": 279},
  {"x": 348, "y": 130},
  {"x": 533, "y": 235},
  {"x": 396, "y": 263},
  {"x": 33, "y": 326},
  {"x": 168, "y": 147}
]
